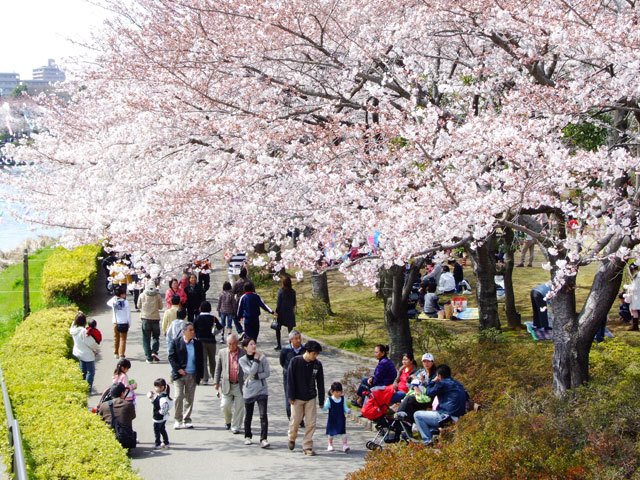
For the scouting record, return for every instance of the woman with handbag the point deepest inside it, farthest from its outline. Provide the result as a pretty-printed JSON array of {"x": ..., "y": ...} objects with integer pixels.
[{"x": 286, "y": 310}]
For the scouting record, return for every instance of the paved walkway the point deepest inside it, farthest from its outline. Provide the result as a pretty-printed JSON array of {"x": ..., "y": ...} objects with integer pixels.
[{"x": 209, "y": 449}]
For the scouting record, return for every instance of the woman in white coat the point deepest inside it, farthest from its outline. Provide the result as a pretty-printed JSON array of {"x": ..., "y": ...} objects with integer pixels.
[
  {"x": 84, "y": 348},
  {"x": 635, "y": 296}
]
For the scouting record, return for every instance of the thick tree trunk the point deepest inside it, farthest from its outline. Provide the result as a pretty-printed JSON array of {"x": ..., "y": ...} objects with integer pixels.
[
  {"x": 320, "y": 288},
  {"x": 513, "y": 317},
  {"x": 572, "y": 333},
  {"x": 484, "y": 268},
  {"x": 395, "y": 290}
]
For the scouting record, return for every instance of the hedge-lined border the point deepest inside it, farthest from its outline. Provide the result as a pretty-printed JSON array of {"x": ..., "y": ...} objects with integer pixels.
[
  {"x": 70, "y": 275},
  {"x": 62, "y": 439}
]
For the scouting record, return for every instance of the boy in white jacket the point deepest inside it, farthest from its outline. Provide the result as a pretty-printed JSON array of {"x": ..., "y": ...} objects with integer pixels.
[{"x": 121, "y": 320}]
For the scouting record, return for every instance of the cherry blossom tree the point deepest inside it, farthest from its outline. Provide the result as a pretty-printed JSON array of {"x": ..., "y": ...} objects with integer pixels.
[{"x": 208, "y": 125}]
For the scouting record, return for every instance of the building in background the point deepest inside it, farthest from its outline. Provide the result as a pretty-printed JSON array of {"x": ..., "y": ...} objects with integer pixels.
[
  {"x": 49, "y": 73},
  {"x": 8, "y": 82}
]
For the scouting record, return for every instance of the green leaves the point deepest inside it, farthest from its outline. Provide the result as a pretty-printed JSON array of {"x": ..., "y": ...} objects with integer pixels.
[{"x": 70, "y": 274}]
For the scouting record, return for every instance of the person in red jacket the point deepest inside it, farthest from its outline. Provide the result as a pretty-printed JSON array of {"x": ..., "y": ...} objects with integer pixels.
[{"x": 175, "y": 289}]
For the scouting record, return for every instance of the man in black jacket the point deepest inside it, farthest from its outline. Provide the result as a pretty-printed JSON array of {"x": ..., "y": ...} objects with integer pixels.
[
  {"x": 294, "y": 349},
  {"x": 187, "y": 367},
  {"x": 195, "y": 297},
  {"x": 303, "y": 376}
]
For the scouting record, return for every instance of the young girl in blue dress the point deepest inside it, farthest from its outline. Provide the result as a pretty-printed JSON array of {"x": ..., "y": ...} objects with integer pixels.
[{"x": 336, "y": 405}]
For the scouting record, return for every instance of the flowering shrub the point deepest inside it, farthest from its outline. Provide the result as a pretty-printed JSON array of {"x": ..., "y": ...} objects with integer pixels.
[
  {"x": 70, "y": 274},
  {"x": 63, "y": 440}
]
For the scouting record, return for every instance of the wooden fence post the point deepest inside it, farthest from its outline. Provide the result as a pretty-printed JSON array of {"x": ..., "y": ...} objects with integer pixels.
[{"x": 25, "y": 284}]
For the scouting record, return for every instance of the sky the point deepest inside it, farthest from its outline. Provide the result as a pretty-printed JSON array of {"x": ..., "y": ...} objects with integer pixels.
[{"x": 32, "y": 31}]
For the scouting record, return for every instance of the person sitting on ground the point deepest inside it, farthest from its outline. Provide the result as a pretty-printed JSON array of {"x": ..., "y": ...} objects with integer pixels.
[
  {"x": 407, "y": 369},
  {"x": 452, "y": 403},
  {"x": 634, "y": 304},
  {"x": 415, "y": 401},
  {"x": 462, "y": 286},
  {"x": 623, "y": 311},
  {"x": 434, "y": 274},
  {"x": 384, "y": 374},
  {"x": 431, "y": 305},
  {"x": 447, "y": 283},
  {"x": 124, "y": 411}
]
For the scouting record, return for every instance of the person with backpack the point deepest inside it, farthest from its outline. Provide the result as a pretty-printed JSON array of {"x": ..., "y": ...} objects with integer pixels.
[
  {"x": 121, "y": 320},
  {"x": 150, "y": 304},
  {"x": 119, "y": 414}
]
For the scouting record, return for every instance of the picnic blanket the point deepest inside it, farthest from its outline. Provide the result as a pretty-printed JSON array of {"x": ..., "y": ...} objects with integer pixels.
[
  {"x": 542, "y": 334},
  {"x": 468, "y": 314}
]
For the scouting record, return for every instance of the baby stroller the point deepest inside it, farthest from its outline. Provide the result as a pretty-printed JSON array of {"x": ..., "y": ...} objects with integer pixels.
[{"x": 391, "y": 427}]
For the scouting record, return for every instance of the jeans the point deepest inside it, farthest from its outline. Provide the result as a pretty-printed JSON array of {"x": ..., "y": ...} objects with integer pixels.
[
  {"x": 252, "y": 328},
  {"x": 601, "y": 331},
  {"x": 227, "y": 318},
  {"x": 249, "y": 403},
  {"x": 426, "y": 420},
  {"x": 150, "y": 328},
  {"x": 160, "y": 428},
  {"x": 88, "y": 372},
  {"x": 397, "y": 397}
]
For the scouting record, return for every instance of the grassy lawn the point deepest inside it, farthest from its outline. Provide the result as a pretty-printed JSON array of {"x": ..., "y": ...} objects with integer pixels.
[
  {"x": 347, "y": 300},
  {"x": 11, "y": 291}
]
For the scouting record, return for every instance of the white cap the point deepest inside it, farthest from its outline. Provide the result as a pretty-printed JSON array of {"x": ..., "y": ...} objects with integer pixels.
[{"x": 427, "y": 356}]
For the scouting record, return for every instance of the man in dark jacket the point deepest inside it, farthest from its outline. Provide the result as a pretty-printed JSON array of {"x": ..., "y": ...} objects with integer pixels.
[
  {"x": 203, "y": 325},
  {"x": 187, "y": 366},
  {"x": 452, "y": 403},
  {"x": 304, "y": 374},
  {"x": 249, "y": 311},
  {"x": 294, "y": 348},
  {"x": 195, "y": 296}
]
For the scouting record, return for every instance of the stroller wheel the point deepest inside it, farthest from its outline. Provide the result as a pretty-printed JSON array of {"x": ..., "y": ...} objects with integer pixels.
[
  {"x": 377, "y": 447},
  {"x": 369, "y": 445}
]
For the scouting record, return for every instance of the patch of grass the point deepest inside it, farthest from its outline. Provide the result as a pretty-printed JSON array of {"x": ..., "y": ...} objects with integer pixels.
[
  {"x": 11, "y": 291},
  {"x": 352, "y": 343}
]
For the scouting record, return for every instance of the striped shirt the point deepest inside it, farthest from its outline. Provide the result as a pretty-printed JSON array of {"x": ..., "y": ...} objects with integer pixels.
[{"x": 236, "y": 263}]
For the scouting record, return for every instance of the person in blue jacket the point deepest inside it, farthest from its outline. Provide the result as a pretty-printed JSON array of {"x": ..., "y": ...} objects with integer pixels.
[
  {"x": 384, "y": 374},
  {"x": 452, "y": 403},
  {"x": 249, "y": 311},
  {"x": 540, "y": 306}
]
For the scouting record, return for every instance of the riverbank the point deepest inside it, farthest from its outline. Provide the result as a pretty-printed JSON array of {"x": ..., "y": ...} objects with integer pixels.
[{"x": 32, "y": 245}]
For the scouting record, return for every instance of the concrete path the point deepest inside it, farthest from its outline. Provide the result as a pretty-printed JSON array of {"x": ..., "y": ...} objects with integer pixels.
[{"x": 209, "y": 450}]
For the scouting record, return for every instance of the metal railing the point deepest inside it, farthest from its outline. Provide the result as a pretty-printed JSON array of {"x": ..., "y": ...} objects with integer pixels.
[{"x": 18, "y": 467}]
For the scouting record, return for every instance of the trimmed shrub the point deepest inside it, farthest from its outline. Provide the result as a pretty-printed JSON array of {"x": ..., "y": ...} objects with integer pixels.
[
  {"x": 70, "y": 274},
  {"x": 63, "y": 440}
]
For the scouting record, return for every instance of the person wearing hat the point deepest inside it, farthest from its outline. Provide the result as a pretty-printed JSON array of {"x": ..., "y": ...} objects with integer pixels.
[
  {"x": 412, "y": 403},
  {"x": 124, "y": 411},
  {"x": 150, "y": 304}
]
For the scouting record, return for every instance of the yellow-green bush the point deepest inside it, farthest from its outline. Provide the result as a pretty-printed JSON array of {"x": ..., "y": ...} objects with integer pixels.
[
  {"x": 70, "y": 274},
  {"x": 63, "y": 440}
]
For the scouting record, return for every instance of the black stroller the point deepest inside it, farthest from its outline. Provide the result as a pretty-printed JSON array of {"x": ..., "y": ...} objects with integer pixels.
[{"x": 390, "y": 427}]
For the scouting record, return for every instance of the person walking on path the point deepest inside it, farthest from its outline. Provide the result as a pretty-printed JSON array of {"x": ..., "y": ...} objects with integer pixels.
[
  {"x": 237, "y": 263},
  {"x": 227, "y": 309},
  {"x": 249, "y": 311},
  {"x": 256, "y": 371},
  {"x": 121, "y": 320},
  {"x": 185, "y": 357},
  {"x": 195, "y": 297},
  {"x": 286, "y": 309},
  {"x": 294, "y": 348},
  {"x": 229, "y": 378},
  {"x": 150, "y": 304},
  {"x": 203, "y": 325},
  {"x": 171, "y": 314},
  {"x": 162, "y": 404},
  {"x": 305, "y": 383},
  {"x": 175, "y": 289},
  {"x": 85, "y": 348},
  {"x": 238, "y": 286},
  {"x": 336, "y": 405}
]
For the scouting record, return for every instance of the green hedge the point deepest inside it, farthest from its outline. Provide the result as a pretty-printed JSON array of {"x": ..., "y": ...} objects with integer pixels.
[
  {"x": 70, "y": 274},
  {"x": 63, "y": 440}
]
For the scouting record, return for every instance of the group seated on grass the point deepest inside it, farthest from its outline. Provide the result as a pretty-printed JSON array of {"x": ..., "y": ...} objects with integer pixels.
[{"x": 428, "y": 397}]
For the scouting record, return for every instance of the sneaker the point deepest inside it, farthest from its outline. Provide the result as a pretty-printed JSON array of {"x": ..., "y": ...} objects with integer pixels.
[
  {"x": 345, "y": 448},
  {"x": 467, "y": 292},
  {"x": 247, "y": 441},
  {"x": 164, "y": 445},
  {"x": 158, "y": 445},
  {"x": 188, "y": 425},
  {"x": 122, "y": 357},
  {"x": 264, "y": 444},
  {"x": 204, "y": 382},
  {"x": 227, "y": 426},
  {"x": 241, "y": 337},
  {"x": 155, "y": 358},
  {"x": 291, "y": 444},
  {"x": 309, "y": 452},
  {"x": 222, "y": 341},
  {"x": 115, "y": 355},
  {"x": 235, "y": 431},
  {"x": 330, "y": 448},
  {"x": 178, "y": 426},
  {"x": 149, "y": 361}
]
